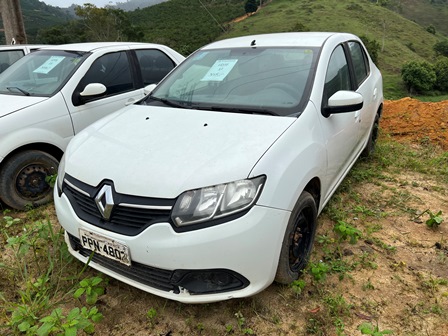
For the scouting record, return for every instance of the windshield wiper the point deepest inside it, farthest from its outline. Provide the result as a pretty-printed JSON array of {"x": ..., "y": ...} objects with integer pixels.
[
  {"x": 168, "y": 102},
  {"x": 12, "y": 88},
  {"x": 248, "y": 110}
]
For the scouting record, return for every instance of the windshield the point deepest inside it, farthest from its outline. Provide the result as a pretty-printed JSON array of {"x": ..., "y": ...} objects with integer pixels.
[
  {"x": 266, "y": 80},
  {"x": 40, "y": 73}
]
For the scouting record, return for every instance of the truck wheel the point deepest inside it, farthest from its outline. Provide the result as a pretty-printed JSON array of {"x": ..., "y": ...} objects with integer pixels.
[
  {"x": 22, "y": 179},
  {"x": 298, "y": 240}
]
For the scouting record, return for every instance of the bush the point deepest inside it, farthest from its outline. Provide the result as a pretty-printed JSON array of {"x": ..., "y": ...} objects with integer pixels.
[
  {"x": 372, "y": 47},
  {"x": 441, "y": 69},
  {"x": 418, "y": 76},
  {"x": 441, "y": 48}
]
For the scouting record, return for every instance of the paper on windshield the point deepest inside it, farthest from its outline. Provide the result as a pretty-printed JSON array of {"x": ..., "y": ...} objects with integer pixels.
[
  {"x": 219, "y": 71},
  {"x": 49, "y": 65}
]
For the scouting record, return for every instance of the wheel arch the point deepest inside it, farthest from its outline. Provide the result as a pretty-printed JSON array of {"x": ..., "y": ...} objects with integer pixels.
[
  {"x": 314, "y": 188},
  {"x": 53, "y": 150}
]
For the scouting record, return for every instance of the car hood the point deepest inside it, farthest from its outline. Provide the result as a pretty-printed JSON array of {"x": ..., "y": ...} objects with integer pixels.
[
  {"x": 14, "y": 103},
  {"x": 161, "y": 152}
]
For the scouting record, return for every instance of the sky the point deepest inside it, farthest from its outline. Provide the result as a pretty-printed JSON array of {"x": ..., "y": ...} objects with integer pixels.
[{"x": 68, "y": 3}]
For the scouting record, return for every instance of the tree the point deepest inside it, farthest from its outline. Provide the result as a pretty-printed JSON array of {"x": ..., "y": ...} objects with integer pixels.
[
  {"x": 418, "y": 76},
  {"x": 372, "y": 46},
  {"x": 441, "y": 48},
  {"x": 11, "y": 13},
  {"x": 103, "y": 24},
  {"x": 251, "y": 6},
  {"x": 441, "y": 69}
]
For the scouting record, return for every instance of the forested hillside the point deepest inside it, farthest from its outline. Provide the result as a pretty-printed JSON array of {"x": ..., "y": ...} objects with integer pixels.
[
  {"x": 38, "y": 15},
  {"x": 186, "y": 24}
]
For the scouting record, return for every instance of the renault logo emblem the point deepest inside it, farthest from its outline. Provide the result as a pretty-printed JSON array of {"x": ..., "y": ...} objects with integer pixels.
[{"x": 104, "y": 201}]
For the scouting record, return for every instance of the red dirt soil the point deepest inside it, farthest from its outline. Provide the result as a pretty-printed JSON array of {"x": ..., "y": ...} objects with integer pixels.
[{"x": 410, "y": 120}]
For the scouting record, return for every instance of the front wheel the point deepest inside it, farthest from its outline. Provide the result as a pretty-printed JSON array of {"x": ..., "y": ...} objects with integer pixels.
[
  {"x": 298, "y": 240},
  {"x": 373, "y": 136},
  {"x": 23, "y": 179}
]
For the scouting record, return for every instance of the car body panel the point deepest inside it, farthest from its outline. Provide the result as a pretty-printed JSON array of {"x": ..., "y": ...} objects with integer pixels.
[{"x": 139, "y": 135}]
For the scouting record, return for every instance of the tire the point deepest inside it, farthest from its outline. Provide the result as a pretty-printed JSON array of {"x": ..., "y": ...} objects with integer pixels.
[
  {"x": 298, "y": 240},
  {"x": 22, "y": 179},
  {"x": 373, "y": 136}
]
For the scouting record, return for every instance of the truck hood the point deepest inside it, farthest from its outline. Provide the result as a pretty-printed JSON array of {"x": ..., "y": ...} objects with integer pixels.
[
  {"x": 161, "y": 152},
  {"x": 14, "y": 103}
]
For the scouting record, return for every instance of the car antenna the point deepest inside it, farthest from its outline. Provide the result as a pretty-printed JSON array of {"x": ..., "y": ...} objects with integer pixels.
[{"x": 253, "y": 43}]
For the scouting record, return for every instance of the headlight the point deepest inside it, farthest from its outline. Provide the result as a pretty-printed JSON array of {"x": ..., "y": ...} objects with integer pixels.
[
  {"x": 200, "y": 205},
  {"x": 61, "y": 173}
]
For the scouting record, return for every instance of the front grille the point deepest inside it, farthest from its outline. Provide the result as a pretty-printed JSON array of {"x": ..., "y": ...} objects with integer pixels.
[
  {"x": 130, "y": 214},
  {"x": 150, "y": 276}
]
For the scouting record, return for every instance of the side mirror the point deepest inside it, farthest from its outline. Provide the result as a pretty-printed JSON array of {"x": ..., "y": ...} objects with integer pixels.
[
  {"x": 93, "y": 89},
  {"x": 342, "y": 102},
  {"x": 148, "y": 89}
]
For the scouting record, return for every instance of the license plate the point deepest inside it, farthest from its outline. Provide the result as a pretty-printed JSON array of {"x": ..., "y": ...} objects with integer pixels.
[{"x": 105, "y": 246}]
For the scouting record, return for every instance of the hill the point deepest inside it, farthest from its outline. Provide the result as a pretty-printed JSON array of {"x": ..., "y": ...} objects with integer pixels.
[
  {"x": 38, "y": 15},
  {"x": 399, "y": 38},
  {"x": 426, "y": 13},
  {"x": 186, "y": 25}
]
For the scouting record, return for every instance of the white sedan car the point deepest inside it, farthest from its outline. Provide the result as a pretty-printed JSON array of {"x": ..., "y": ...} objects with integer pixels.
[
  {"x": 209, "y": 189},
  {"x": 50, "y": 95}
]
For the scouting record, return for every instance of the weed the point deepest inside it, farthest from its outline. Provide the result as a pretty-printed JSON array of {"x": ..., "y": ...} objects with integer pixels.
[
  {"x": 9, "y": 221},
  {"x": 76, "y": 320},
  {"x": 369, "y": 329},
  {"x": 92, "y": 288},
  {"x": 151, "y": 315},
  {"x": 434, "y": 219},
  {"x": 368, "y": 286},
  {"x": 346, "y": 231},
  {"x": 242, "y": 324},
  {"x": 367, "y": 260},
  {"x": 319, "y": 270},
  {"x": 229, "y": 329},
  {"x": 200, "y": 327},
  {"x": 298, "y": 286}
]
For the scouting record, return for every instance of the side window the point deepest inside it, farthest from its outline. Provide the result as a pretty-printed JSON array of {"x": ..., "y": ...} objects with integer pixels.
[
  {"x": 338, "y": 77},
  {"x": 113, "y": 71},
  {"x": 359, "y": 60},
  {"x": 9, "y": 57},
  {"x": 154, "y": 65}
]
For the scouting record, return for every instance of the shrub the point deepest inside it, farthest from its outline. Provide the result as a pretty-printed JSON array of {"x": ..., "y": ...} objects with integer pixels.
[
  {"x": 418, "y": 76},
  {"x": 441, "y": 69},
  {"x": 372, "y": 47},
  {"x": 441, "y": 48}
]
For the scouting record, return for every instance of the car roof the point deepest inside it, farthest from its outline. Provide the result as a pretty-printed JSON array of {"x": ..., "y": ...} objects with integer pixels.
[
  {"x": 302, "y": 39},
  {"x": 92, "y": 46},
  {"x": 22, "y": 46}
]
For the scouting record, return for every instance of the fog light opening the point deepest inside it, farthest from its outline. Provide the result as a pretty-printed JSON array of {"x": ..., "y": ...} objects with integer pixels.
[{"x": 209, "y": 281}]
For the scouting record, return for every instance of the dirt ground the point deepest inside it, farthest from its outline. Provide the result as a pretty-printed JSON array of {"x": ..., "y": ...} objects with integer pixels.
[{"x": 411, "y": 120}]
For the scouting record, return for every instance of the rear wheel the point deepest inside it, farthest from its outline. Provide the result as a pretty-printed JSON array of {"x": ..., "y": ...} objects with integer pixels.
[
  {"x": 298, "y": 240},
  {"x": 23, "y": 179}
]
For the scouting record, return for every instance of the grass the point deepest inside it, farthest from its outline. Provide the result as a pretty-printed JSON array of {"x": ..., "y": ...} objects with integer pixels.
[{"x": 357, "y": 253}]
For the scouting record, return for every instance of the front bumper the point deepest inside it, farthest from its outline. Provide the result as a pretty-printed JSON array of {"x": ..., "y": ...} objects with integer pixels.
[{"x": 246, "y": 248}]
